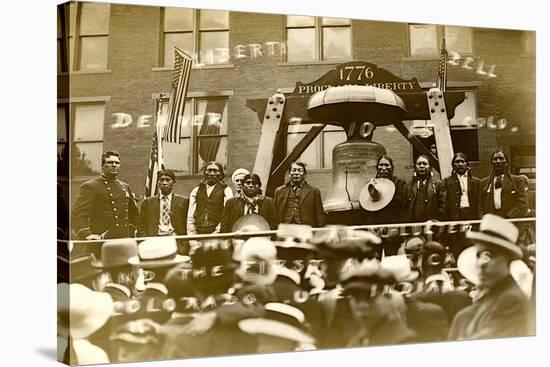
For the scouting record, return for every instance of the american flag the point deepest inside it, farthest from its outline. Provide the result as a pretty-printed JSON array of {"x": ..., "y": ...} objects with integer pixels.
[
  {"x": 156, "y": 161},
  {"x": 442, "y": 73},
  {"x": 180, "y": 82}
]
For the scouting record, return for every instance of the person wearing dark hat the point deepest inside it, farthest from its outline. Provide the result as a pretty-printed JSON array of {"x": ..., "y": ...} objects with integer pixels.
[
  {"x": 425, "y": 194},
  {"x": 105, "y": 206},
  {"x": 502, "y": 193},
  {"x": 365, "y": 314},
  {"x": 120, "y": 264},
  {"x": 165, "y": 213},
  {"x": 206, "y": 201},
  {"x": 297, "y": 201},
  {"x": 500, "y": 309},
  {"x": 251, "y": 201}
]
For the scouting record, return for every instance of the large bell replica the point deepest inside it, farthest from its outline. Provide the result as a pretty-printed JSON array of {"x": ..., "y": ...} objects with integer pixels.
[{"x": 358, "y": 110}]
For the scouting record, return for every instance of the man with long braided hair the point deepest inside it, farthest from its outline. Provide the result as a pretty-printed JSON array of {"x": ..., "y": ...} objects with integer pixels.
[{"x": 504, "y": 194}]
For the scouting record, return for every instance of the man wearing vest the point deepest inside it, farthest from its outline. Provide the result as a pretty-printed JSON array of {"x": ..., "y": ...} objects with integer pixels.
[
  {"x": 207, "y": 200},
  {"x": 297, "y": 201}
]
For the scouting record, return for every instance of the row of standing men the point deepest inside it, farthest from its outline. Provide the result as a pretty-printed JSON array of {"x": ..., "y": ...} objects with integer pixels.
[{"x": 106, "y": 206}]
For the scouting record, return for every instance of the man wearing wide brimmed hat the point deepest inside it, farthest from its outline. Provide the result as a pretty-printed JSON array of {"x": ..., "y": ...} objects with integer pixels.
[
  {"x": 158, "y": 255},
  {"x": 281, "y": 329},
  {"x": 501, "y": 309},
  {"x": 120, "y": 263}
]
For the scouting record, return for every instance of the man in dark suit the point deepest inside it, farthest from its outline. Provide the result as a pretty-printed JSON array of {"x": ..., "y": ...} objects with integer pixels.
[
  {"x": 462, "y": 200},
  {"x": 105, "y": 206},
  {"x": 297, "y": 201},
  {"x": 463, "y": 191},
  {"x": 425, "y": 194},
  {"x": 501, "y": 309},
  {"x": 166, "y": 213},
  {"x": 250, "y": 202},
  {"x": 504, "y": 194}
]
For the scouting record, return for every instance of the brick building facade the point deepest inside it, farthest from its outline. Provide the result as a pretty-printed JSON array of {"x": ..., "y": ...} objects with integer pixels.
[{"x": 123, "y": 83}]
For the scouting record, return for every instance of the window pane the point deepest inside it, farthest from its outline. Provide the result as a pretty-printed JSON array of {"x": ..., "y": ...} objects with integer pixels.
[
  {"x": 86, "y": 158},
  {"x": 94, "y": 18},
  {"x": 300, "y": 44},
  {"x": 61, "y": 124},
  {"x": 186, "y": 124},
  {"x": 299, "y": 21},
  {"x": 59, "y": 28},
  {"x": 178, "y": 19},
  {"x": 423, "y": 39},
  {"x": 214, "y": 114},
  {"x": 458, "y": 39},
  {"x": 209, "y": 42},
  {"x": 336, "y": 43},
  {"x": 89, "y": 122},
  {"x": 336, "y": 21},
  {"x": 465, "y": 113},
  {"x": 331, "y": 139},
  {"x": 183, "y": 41},
  {"x": 177, "y": 156},
  {"x": 309, "y": 156},
  {"x": 212, "y": 149},
  {"x": 93, "y": 53},
  {"x": 214, "y": 19}
]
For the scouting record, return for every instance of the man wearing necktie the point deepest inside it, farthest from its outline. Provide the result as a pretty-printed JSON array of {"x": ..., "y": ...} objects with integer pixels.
[
  {"x": 504, "y": 194},
  {"x": 164, "y": 214},
  {"x": 297, "y": 201}
]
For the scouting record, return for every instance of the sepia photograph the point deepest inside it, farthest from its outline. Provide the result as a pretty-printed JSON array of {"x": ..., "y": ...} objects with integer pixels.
[{"x": 240, "y": 183}]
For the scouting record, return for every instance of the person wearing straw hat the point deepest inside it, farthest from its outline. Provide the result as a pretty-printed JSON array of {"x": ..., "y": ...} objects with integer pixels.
[
  {"x": 252, "y": 201},
  {"x": 157, "y": 256},
  {"x": 80, "y": 313},
  {"x": 500, "y": 309},
  {"x": 165, "y": 213},
  {"x": 281, "y": 329},
  {"x": 238, "y": 180},
  {"x": 383, "y": 198},
  {"x": 105, "y": 206}
]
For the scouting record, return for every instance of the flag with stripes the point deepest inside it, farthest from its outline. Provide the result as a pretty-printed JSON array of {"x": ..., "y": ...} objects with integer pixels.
[
  {"x": 442, "y": 72},
  {"x": 180, "y": 82},
  {"x": 156, "y": 161}
]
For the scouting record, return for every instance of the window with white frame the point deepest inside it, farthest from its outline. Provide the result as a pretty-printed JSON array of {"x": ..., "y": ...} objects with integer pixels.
[
  {"x": 464, "y": 128},
  {"x": 93, "y": 36},
  {"x": 203, "y": 135},
  {"x": 317, "y": 38},
  {"x": 203, "y": 34},
  {"x": 318, "y": 154},
  {"x": 87, "y": 147},
  {"x": 425, "y": 39}
]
